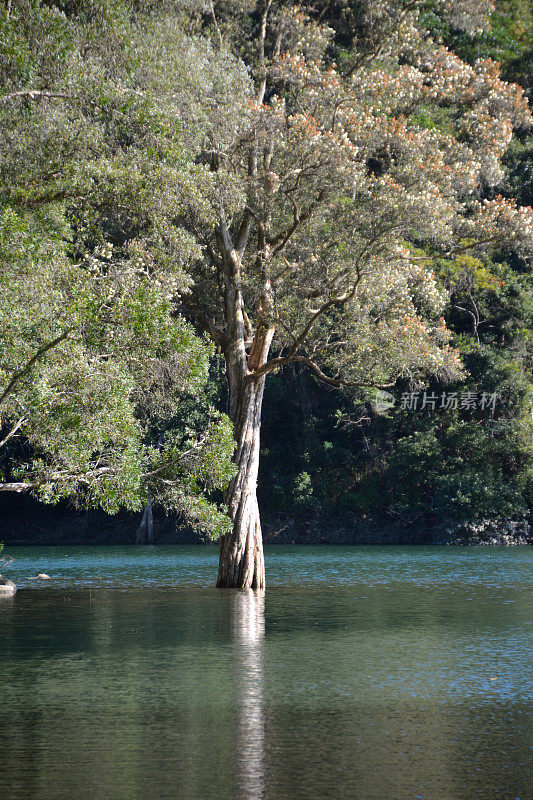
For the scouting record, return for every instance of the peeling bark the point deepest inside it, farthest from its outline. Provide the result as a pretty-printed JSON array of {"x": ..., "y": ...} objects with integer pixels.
[{"x": 242, "y": 563}]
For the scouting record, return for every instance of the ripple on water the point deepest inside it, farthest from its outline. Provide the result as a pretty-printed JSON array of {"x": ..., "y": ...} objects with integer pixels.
[{"x": 373, "y": 673}]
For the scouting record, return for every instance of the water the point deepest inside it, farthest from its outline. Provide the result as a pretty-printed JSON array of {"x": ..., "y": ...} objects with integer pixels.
[{"x": 362, "y": 673}]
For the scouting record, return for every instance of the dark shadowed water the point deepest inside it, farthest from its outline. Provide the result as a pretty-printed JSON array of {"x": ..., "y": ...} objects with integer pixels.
[{"x": 362, "y": 673}]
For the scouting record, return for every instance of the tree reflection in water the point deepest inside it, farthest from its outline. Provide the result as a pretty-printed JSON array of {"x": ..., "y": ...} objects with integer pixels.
[{"x": 248, "y": 629}]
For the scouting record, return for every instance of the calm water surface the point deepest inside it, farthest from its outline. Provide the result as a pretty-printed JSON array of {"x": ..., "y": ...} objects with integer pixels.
[{"x": 364, "y": 673}]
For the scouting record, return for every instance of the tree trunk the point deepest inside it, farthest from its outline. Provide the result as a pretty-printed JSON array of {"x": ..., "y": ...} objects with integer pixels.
[
  {"x": 145, "y": 531},
  {"x": 241, "y": 564}
]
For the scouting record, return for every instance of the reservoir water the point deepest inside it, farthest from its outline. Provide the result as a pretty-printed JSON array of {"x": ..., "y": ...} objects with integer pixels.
[{"x": 362, "y": 673}]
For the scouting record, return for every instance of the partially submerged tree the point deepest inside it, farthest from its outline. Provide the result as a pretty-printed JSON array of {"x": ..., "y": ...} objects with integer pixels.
[
  {"x": 318, "y": 194},
  {"x": 323, "y": 184}
]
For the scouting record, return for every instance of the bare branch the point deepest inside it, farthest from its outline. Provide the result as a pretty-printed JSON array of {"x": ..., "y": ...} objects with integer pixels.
[
  {"x": 281, "y": 361},
  {"x": 196, "y": 447},
  {"x": 261, "y": 51},
  {"x": 35, "y": 94},
  {"x": 22, "y": 486},
  {"x": 57, "y": 477},
  {"x": 468, "y": 247},
  {"x": 224, "y": 237},
  {"x": 473, "y": 316},
  {"x": 215, "y": 24},
  {"x": 244, "y": 231},
  {"x": 335, "y": 301},
  {"x": 279, "y": 241},
  {"x": 18, "y": 425}
]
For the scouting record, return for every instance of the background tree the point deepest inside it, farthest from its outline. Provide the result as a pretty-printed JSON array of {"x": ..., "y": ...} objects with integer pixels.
[
  {"x": 415, "y": 473},
  {"x": 323, "y": 187},
  {"x": 96, "y": 369}
]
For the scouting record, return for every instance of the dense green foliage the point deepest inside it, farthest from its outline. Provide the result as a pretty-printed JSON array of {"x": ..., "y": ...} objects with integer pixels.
[
  {"x": 442, "y": 465},
  {"x": 125, "y": 129},
  {"x": 97, "y": 370}
]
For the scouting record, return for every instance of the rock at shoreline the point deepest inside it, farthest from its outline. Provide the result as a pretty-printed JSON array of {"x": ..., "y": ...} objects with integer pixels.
[
  {"x": 7, "y": 587},
  {"x": 490, "y": 532},
  {"x": 42, "y": 576}
]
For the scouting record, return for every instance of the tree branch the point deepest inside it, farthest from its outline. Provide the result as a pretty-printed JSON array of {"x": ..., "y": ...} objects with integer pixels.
[
  {"x": 58, "y": 477},
  {"x": 335, "y": 301},
  {"x": 13, "y": 431},
  {"x": 216, "y": 334},
  {"x": 261, "y": 52},
  {"x": 27, "y": 367},
  {"x": 215, "y": 24},
  {"x": 21, "y": 486},
  {"x": 468, "y": 247},
  {"x": 279, "y": 241},
  {"x": 244, "y": 231},
  {"x": 226, "y": 243},
  {"x": 378, "y": 49},
  {"x": 34, "y": 94},
  {"x": 281, "y": 361}
]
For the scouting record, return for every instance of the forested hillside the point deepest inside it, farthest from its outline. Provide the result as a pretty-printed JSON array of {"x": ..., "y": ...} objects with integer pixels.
[
  {"x": 324, "y": 202},
  {"x": 419, "y": 463}
]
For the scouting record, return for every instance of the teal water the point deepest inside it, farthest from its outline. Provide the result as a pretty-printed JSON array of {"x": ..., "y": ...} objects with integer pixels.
[{"x": 364, "y": 673}]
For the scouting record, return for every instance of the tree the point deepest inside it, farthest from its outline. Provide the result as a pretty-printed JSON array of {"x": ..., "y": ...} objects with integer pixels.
[
  {"x": 326, "y": 455},
  {"x": 97, "y": 372},
  {"x": 285, "y": 179},
  {"x": 323, "y": 185}
]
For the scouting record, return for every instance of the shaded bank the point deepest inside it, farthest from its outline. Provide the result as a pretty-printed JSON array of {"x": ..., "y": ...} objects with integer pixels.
[{"x": 24, "y": 521}]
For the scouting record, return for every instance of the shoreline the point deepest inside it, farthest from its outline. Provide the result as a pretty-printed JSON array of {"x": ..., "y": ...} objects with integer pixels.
[{"x": 25, "y": 522}]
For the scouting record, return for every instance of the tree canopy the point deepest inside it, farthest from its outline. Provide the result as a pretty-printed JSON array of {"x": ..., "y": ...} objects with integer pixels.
[
  {"x": 300, "y": 184},
  {"x": 96, "y": 366}
]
